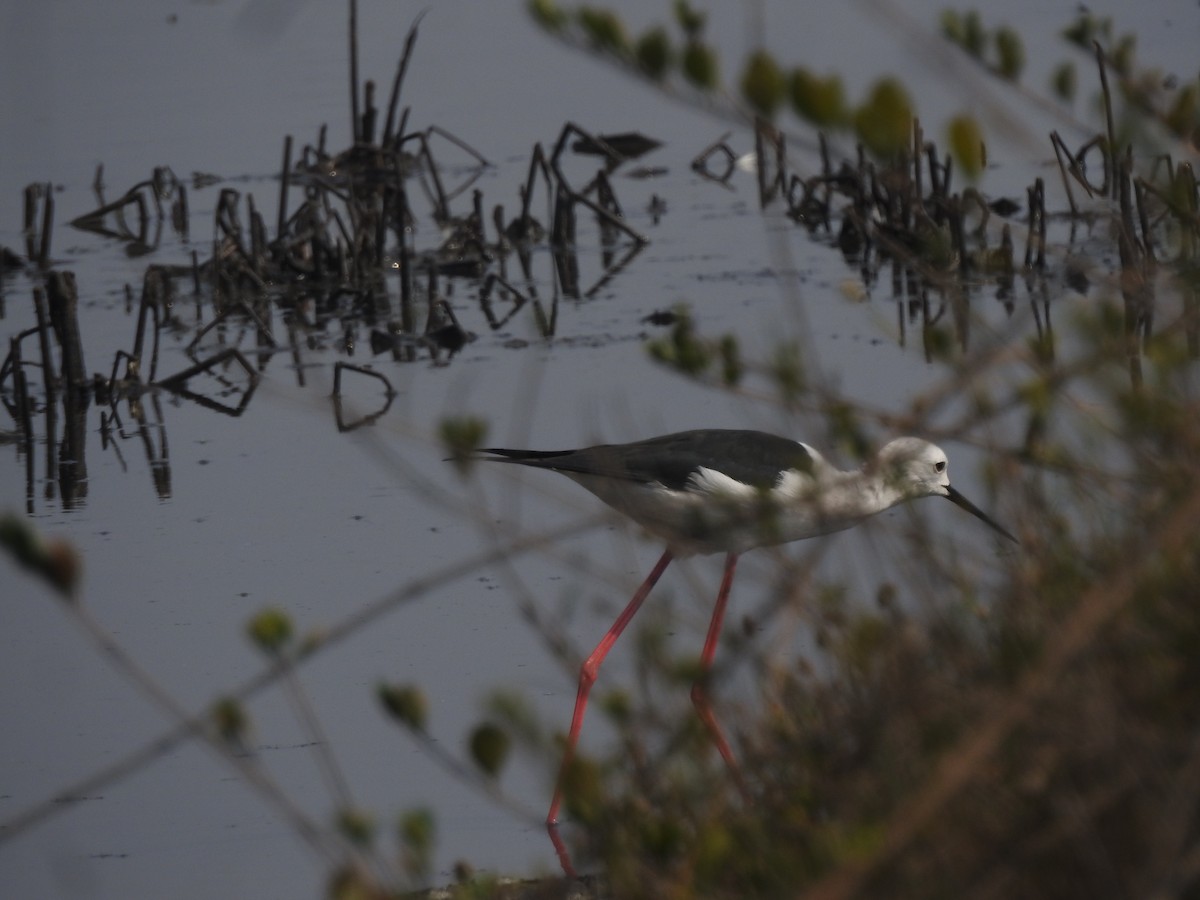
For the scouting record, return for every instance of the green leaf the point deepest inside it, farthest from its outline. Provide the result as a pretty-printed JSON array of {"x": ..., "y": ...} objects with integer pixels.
[
  {"x": 55, "y": 561},
  {"x": 1183, "y": 117},
  {"x": 965, "y": 139},
  {"x": 974, "y": 38},
  {"x": 271, "y": 630},
  {"x": 787, "y": 369},
  {"x": 1010, "y": 53},
  {"x": 700, "y": 65},
  {"x": 1062, "y": 82},
  {"x": 230, "y": 720},
  {"x": 404, "y": 703},
  {"x": 357, "y": 825},
  {"x": 654, "y": 54},
  {"x": 731, "y": 361},
  {"x": 489, "y": 748},
  {"x": 884, "y": 122},
  {"x": 1122, "y": 54},
  {"x": 821, "y": 101},
  {"x": 683, "y": 349},
  {"x": 461, "y": 436},
  {"x": 417, "y": 832},
  {"x": 604, "y": 29},
  {"x": 692, "y": 21},
  {"x": 546, "y": 13},
  {"x": 953, "y": 28},
  {"x": 763, "y": 84}
]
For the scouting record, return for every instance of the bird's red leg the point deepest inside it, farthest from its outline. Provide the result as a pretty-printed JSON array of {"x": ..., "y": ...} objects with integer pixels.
[
  {"x": 699, "y": 689},
  {"x": 589, "y": 669}
]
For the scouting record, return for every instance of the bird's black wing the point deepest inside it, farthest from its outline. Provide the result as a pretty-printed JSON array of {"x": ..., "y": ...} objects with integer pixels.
[{"x": 751, "y": 457}]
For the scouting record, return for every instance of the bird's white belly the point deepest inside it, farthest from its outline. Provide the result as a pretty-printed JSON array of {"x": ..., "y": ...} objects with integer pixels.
[{"x": 719, "y": 515}]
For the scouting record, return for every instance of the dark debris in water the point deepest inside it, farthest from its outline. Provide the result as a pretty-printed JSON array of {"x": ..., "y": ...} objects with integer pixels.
[
  {"x": 617, "y": 147},
  {"x": 662, "y": 318}
]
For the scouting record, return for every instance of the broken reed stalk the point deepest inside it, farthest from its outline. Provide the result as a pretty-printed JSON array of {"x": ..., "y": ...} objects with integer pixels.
[
  {"x": 43, "y": 258},
  {"x": 1110, "y": 151},
  {"x": 369, "y": 113},
  {"x": 179, "y": 379},
  {"x": 1060, "y": 149},
  {"x": 21, "y": 399},
  {"x": 700, "y": 161},
  {"x": 64, "y": 309},
  {"x": 918, "y": 144},
  {"x": 72, "y": 460},
  {"x": 196, "y": 278},
  {"x": 340, "y": 367},
  {"x": 29, "y": 219},
  {"x": 441, "y": 203},
  {"x": 285, "y": 182},
  {"x": 24, "y": 416},
  {"x": 257, "y": 235},
  {"x": 562, "y": 226},
  {"x": 537, "y": 163},
  {"x": 180, "y": 214},
  {"x": 42, "y": 314},
  {"x": 455, "y": 140},
  {"x": 479, "y": 222},
  {"x": 152, "y": 290},
  {"x": 1127, "y": 244},
  {"x": 1035, "y": 234},
  {"x": 398, "y": 81}
]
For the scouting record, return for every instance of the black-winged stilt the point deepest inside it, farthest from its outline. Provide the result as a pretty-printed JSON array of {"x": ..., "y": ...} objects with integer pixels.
[{"x": 727, "y": 491}]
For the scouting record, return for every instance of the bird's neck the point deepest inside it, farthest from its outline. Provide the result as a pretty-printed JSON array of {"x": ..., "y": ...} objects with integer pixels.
[{"x": 858, "y": 494}]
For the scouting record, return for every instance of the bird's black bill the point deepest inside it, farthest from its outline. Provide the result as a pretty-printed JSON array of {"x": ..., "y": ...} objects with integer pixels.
[{"x": 959, "y": 500}]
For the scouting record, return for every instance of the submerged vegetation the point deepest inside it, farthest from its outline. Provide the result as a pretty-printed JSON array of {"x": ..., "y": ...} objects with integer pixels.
[{"x": 985, "y": 725}]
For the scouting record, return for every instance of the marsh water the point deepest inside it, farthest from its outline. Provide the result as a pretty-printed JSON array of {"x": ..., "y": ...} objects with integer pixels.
[{"x": 189, "y": 525}]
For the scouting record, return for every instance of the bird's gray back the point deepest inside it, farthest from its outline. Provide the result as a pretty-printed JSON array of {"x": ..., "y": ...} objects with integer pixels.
[{"x": 755, "y": 458}]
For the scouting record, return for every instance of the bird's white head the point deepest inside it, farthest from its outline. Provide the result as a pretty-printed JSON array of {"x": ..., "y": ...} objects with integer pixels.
[{"x": 914, "y": 467}]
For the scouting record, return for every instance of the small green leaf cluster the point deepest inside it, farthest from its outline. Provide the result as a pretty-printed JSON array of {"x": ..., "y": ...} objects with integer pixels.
[
  {"x": 271, "y": 630},
  {"x": 461, "y": 436},
  {"x": 687, "y": 353},
  {"x": 55, "y": 561},
  {"x": 405, "y": 703},
  {"x": 1002, "y": 48},
  {"x": 884, "y": 120},
  {"x": 417, "y": 832}
]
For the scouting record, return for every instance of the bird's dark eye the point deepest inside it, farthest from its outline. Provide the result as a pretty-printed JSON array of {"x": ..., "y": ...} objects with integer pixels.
[{"x": 939, "y": 466}]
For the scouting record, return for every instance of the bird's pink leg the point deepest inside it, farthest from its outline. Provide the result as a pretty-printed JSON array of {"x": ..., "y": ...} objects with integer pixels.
[
  {"x": 589, "y": 669},
  {"x": 699, "y": 690}
]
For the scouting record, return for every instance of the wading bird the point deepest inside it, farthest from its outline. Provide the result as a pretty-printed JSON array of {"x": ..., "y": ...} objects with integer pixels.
[{"x": 719, "y": 491}]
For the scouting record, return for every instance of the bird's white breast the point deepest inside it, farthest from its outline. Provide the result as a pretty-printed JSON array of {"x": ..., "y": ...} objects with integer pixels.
[{"x": 714, "y": 513}]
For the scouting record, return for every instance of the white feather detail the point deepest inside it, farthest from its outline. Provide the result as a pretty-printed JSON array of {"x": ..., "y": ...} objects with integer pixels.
[{"x": 718, "y": 484}]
